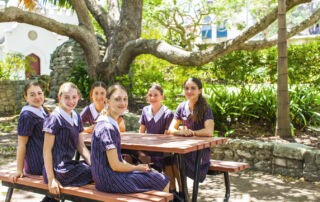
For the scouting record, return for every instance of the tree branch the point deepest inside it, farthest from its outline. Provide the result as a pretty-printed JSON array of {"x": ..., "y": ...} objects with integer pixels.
[
  {"x": 113, "y": 12},
  {"x": 83, "y": 15},
  {"x": 178, "y": 56},
  {"x": 258, "y": 45},
  {"x": 99, "y": 14},
  {"x": 87, "y": 39}
]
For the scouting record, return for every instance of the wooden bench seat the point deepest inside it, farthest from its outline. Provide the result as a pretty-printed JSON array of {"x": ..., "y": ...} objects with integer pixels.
[
  {"x": 35, "y": 183},
  {"x": 224, "y": 167}
]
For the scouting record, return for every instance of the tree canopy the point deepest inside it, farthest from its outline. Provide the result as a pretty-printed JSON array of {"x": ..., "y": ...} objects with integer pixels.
[{"x": 122, "y": 23}]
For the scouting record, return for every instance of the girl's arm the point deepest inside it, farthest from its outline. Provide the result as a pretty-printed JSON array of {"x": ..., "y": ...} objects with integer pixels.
[
  {"x": 53, "y": 184},
  {"x": 122, "y": 126},
  {"x": 21, "y": 153},
  {"x": 142, "y": 128},
  {"x": 119, "y": 166},
  {"x": 207, "y": 131},
  {"x": 173, "y": 128},
  {"x": 82, "y": 149}
]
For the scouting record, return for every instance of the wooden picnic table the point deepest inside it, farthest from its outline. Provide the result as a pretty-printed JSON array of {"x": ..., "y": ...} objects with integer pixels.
[{"x": 177, "y": 145}]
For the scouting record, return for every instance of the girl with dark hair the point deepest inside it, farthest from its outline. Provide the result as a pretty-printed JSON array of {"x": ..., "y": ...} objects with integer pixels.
[
  {"x": 30, "y": 135},
  {"x": 155, "y": 119},
  {"x": 110, "y": 172},
  {"x": 197, "y": 120},
  {"x": 91, "y": 112}
]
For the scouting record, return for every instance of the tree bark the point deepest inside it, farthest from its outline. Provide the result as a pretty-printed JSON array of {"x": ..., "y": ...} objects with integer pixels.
[{"x": 283, "y": 111}]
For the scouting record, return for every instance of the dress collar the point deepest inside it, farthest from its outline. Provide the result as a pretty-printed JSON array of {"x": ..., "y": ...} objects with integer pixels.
[
  {"x": 158, "y": 115},
  {"x": 187, "y": 109},
  {"x": 39, "y": 112},
  {"x": 94, "y": 111},
  {"x": 108, "y": 119},
  {"x": 71, "y": 120}
]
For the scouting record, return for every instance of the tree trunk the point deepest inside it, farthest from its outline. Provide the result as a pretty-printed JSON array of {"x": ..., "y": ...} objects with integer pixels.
[{"x": 283, "y": 112}]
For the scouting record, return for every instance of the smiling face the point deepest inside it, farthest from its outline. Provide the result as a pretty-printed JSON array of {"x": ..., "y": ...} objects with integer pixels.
[
  {"x": 118, "y": 102},
  {"x": 154, "y": 97},
  {"x": 34, "y": 96},
  {"x": 191, "y": 90},
  {"x": 69, "y": 99},
  {"x": 98, "y": 95}
]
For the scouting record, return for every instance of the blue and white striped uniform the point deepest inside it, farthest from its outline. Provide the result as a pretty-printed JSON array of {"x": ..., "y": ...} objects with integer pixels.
[
  {"x": 183, "y": 114},
  {"x": 66, "y": 130},
  {"x": 106, "y": 136}
]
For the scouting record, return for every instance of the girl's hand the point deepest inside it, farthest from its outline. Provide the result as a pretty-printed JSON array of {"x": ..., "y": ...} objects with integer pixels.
[
  {"x": 90, "y": 128},
  {"x": 54, "y": 186},
  {"x": 188, "y": 133},
  {"x": 14, "y": 177},
  {"x": 143, "y": 167}
]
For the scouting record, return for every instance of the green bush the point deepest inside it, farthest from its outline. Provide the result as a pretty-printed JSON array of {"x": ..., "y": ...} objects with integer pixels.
[
  {"x": 13, "y": 64},
  {"x": 258, "y": 102}
]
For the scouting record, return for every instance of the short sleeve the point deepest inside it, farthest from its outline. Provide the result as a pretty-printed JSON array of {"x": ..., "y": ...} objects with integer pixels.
[
  {"x": 25, "y": 125},
  {"x": 51, "y": 125},
  {"x": 106, "y": 139},
  {"x": 208, "y": 115},
  {"x": 142, "y": 117},
  {"x": 169, "y": 117},
  {"x": 84, "y": 115},
  {"x": 178, "y": 114}
]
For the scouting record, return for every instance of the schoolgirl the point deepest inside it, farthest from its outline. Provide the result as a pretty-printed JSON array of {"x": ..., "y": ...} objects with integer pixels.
[
  {"x": 196, "y": 118},
  {"x": 155, "y": 119},
  {"x": 30, "y": 135},
  {"x": 91, "y": 112},
  {"x": 61, "y": 140},
  {"x": 110, "y": 172}
]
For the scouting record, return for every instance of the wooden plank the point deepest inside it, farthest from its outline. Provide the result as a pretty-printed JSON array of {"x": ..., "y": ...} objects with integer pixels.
[
  {"x": 227, "y": 166},
  {"x": 88, "y": 191}
]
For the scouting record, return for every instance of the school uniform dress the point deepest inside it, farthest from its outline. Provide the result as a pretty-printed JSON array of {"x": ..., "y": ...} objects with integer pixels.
[
  {"x": 30, "y": 124},
  {"x": 89, "y": 114},
  {"x": 156, "y": 124},
  {"x": 66, "y": 131},
  {"x": 183, "y": 114},
  {"x": 106, "y": 136}
]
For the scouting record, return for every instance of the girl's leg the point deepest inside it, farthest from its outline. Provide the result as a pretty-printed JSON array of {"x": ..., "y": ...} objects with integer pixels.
[{"x": 169, "y": 171}]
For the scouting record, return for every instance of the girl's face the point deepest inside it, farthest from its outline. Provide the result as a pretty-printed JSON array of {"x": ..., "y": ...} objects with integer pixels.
[
  {"x": 154, "y": 96},
  {"x": 118, "y": 102},
  {"x": 34, "y": 96},
  {"x": 191, "y": 90},
  {"x": 99, "y": 95},
  {"x": 69, "y": 99}
]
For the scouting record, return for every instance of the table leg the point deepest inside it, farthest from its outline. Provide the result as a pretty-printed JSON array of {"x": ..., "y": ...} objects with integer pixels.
[
  {"x": 196, "y": 176},
  {"x": 9, "y": 194},
  {"x": 183, "y": 176}
]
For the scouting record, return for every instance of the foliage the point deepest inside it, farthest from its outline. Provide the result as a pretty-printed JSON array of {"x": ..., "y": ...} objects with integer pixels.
[
  {"x": 13, "y": 64},
  {"x": 258, "y": 103},
  {"x": 80, "y": 77},
  {"x": 241, "y": 67}
]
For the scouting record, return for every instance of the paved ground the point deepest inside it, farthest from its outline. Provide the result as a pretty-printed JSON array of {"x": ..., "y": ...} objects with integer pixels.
[{"x": 246, "y": 186}]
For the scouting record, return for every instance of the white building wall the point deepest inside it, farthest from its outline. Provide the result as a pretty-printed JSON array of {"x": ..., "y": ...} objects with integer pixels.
[{"x": 17, "y": 40}]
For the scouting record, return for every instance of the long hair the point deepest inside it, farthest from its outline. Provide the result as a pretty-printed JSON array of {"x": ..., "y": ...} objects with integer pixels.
[
  {"x": 97, "y": 84},
  {"x": 35, "y": 83},
  {"x": 201, "y": 106}
]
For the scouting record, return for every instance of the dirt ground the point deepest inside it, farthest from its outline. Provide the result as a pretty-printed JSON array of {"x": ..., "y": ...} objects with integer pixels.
[{"x": 245, "y": 186}]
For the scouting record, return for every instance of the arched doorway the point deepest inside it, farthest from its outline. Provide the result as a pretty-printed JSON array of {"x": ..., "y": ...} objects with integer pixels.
[{"x": 34, "y": 64}]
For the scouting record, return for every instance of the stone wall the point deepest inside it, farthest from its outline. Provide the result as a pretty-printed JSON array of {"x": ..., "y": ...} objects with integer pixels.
[
  {"x": 11, "y": 94},
  {"x": 288, "y": 159}
]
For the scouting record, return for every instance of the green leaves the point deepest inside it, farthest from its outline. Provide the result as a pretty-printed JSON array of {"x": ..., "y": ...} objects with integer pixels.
[{"x": 13, "y": 65}]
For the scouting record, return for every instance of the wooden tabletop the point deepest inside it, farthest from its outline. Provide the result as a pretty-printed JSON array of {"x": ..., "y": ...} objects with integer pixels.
[{"x": 163, "y": 143}]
